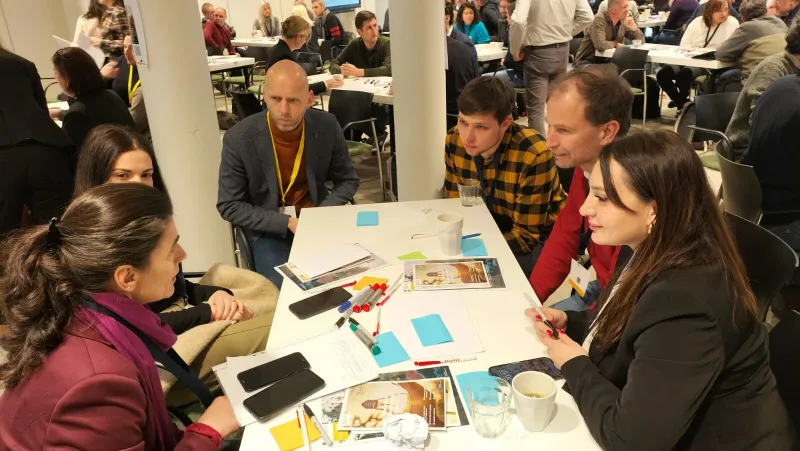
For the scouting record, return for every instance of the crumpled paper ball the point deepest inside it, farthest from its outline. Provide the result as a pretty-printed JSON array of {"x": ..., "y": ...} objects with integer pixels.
[{"x": 406, "y": 431}]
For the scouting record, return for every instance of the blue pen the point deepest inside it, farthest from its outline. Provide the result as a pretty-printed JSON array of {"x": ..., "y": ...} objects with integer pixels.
[
  {"x": 470, "y": 236},
  {"x": 344, "y": 306}
]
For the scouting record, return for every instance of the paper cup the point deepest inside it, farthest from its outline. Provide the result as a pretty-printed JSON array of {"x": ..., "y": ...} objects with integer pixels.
[
  {"x": 450, "y": 227},
  {"x": 534, "y": 398}
]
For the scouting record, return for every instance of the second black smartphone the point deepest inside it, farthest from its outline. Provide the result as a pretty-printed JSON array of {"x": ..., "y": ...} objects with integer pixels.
[
  {"x": 285, "y": 393},
  {"x": 320, "y": 302},
  {"x": 273, "y": 371}
]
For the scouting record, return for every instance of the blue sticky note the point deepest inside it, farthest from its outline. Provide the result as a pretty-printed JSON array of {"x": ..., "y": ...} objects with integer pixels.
[
  {"x": 367, "y": 218},
  {"x": 474, "y": 247},
  {"x": 431, "y": 330},
  {"x": 475, "y": 380},
  {"x": 391, "y": 350}
]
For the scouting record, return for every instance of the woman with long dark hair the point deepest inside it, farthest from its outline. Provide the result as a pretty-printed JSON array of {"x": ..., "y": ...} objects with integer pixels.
[
  {"x": 77, "y": 376},
  {"x": 88, "y": 25},
  {"x": 468, "y": 21},
  {"x": 674, "y": 356},
  {"x": 116, "y": 154}
]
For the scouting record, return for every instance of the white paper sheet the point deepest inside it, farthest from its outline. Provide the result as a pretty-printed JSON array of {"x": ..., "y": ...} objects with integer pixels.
[
  {"x": 83, "y": 42},
  {"x": 338, "y": 357},
  {"x": 319, "y": 263},
  {"x": 450, "y": 306}
]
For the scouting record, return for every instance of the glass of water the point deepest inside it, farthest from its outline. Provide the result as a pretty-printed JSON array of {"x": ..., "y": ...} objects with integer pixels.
[
  {"x": 488, "y": 404},
  {"x": 469, "y": 190}
]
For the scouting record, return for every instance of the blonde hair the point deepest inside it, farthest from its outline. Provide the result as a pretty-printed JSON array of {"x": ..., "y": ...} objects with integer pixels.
[
  {"x": 301, "y": 12},
  {"x": 295, "y": 26}
]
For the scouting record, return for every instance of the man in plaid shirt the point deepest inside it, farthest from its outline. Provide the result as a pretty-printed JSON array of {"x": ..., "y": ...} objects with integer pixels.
[{"x": 516, "y": 170}]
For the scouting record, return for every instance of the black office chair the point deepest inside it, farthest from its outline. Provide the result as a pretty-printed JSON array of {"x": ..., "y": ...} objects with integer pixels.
[
  {"x": 243, "y": 251},
  {"x": 741, "y": 190},
  {"x": 309, "y": 66},
  {"x": 713, "y": 113},
  {"x": 214, "y": 51},
  {"x": 629, "y": 61},
  {"x": 769, "y": 261},
  {"x": 353, "y": 111},
  {"x": 784, "y": 356},
  {"x": 574, "y": 45},
  {"x": 326, "y": 51},
  {"x": 245, "y": 104}
]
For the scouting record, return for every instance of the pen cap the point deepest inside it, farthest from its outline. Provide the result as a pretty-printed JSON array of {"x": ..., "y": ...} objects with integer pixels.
[{"x": 344, "y": 307}]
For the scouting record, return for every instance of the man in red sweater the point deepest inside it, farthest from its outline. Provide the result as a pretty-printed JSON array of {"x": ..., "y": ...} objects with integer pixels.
[
  {"x": 217, "y": 34},
  {"x": 587, "y": 110}
]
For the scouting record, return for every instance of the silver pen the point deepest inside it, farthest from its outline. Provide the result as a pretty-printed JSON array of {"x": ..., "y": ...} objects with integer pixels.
[
  {"x": 541, "y": 313},
  {"x": 318, "y": 425}
]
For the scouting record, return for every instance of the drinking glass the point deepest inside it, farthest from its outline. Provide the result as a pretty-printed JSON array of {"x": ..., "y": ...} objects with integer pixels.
[
  {"x": 469, "y": 190},
  {"x": 488, "y": 403}
]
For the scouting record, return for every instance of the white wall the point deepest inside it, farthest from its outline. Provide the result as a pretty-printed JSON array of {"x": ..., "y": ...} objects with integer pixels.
[
  {"x": 27, "y": 26},
  {"x": 380, "y": 10}
]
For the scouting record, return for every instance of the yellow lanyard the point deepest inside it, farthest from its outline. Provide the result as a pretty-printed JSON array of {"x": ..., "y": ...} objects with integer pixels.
[
  {"x": 131, "y": 91},
  {"x": 297, "y": 161}
]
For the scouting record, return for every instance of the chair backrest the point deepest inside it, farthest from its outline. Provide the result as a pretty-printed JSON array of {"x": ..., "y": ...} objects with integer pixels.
[
  {"x": 714, "y": 111},
  {"x": 687, "y": 117},
  {"x": 326, "y": 50},
  {"x": 740, "y": 189},
  {"x": 769, "y": 261},
  {"x": 246, "y": 104},
  {"x": 784, "y": 355},
  {"x": 574, "y": 45},
  {"x": 350, "y": 106},
  {"x": 309, "y": 66},
  {"x": 626, "y": 58},
  {"x": 214, "y": 51},
  {"x": 244, "y": 248}
]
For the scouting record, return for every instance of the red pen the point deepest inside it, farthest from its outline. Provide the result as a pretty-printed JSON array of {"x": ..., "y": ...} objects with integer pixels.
[
  {"x": 297, "y": 412},
  {"x": 351, "y": 284},
  {"x": 358, "y": 308},
  {"x": 378, "y": 327},
  {"x": 393, "y": 288},
  {"x": 441, "y": 362}
]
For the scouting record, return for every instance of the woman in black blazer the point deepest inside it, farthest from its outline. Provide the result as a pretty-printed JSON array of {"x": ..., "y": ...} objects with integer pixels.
[
  {"x": 79, "y": 77},
  {"x": 674, "y": 356},
  {"x": 295, "y": 32},
  {"x": 36, "y": 157}
]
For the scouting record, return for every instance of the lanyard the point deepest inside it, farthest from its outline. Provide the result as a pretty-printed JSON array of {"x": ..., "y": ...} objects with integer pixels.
[
  {"x": 489, "y": 201},
  {"x": 712, "y": 35},
  {"x": 132, "y": 90},
  {"x": 297, "y": 161}
]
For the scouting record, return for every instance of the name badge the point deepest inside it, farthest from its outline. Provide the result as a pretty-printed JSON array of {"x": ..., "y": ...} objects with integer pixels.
[
  {"x": 289, "y": 210},
  {"x": 579, "y": 277}
]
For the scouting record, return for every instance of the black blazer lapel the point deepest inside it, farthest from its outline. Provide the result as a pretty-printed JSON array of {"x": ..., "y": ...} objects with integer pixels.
[
  {"x": 310, "y": 156},
  {"x": 265, "y": 153}
]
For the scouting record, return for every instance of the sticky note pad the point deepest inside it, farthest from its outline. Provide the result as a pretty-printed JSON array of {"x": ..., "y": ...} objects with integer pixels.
[
  {"x": 368, "y": 281},
  {"x": 413, "y": 256},
  {"x": 367, "y": 218},
  {"x": 338, "y": 435},
  {"x": 391, "y": 350},
  {"x": 474, "y": 247},
  {"x": 474, "y": 380},
  {"x": 431, "y": 330},
  {"x": 289, "y": 436}
]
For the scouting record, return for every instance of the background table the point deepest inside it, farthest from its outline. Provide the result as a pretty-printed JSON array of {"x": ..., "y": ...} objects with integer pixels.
[
  {"x": 260, "y": 42},
  {"x": 222, "y": 63},
  {"x": 671, "y": 54},
  {"x": 651, "y": 22},
  {"x": 507, "y": 335},
  {"x": 379, "y": 90},
  {"x": 490, "y": 52}
]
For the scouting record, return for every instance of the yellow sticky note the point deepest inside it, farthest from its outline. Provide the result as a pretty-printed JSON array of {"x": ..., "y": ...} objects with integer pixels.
[
  {"x": 339, "y": 436},
  {"x": 368, "y": 281},
  {"x": 289, "y": 436}
]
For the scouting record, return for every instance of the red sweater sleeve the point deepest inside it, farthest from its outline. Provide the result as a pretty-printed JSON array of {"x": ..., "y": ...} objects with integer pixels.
[
  {"x": 208, "y": 34},
  {"x": 561, "y": 247}
]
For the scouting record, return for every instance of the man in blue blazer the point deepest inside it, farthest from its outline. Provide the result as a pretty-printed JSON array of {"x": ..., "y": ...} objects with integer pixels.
[{"x": 276, "y": 163}]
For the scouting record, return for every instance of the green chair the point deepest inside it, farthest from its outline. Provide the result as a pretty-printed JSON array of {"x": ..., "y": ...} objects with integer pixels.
[{"x": 630, "y": 60}]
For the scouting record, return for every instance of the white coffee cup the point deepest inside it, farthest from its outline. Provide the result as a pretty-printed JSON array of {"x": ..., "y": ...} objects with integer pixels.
[
  {"x": 646, "y": 13},
  {"x": 534, "y": 413},
  {"x": 450, "y": 227},
  {"x": 662, "y": 15}
]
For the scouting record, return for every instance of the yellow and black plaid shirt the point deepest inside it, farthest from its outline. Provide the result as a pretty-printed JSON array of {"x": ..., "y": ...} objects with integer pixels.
[{"x": 526, "y": 187}]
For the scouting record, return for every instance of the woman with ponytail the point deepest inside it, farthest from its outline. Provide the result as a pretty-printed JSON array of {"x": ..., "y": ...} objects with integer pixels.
[{"x": 77, "y": 376}]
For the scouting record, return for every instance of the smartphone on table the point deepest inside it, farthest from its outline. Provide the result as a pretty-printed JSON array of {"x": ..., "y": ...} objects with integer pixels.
[
  {"x": 320, "y": 302},
  {"x": 509, "y": 370},
  {"x": 273, "y": 371},
  {"x": 283, "y": 394}
]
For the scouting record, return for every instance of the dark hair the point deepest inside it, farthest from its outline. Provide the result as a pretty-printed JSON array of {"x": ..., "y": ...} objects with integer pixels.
[
  {"x": 608, "y": 96},
  {"x": 689, "y": 229},
  {"x": 95, "y": 11},
  {"x": 711, "y": 7},
  {"x": 100, "y": 151},
  {"x": 752, "y": 9},
  {"x": 363, "y": 17},
  {"x": 475, "y": 10},
  {"x": 487, "y": 95},
  {"x": 80, "y": 71},
  {"x": 448, "y": 11},
  {"x": 793, "y": 37},
  {"x": 44, "y": 281}
]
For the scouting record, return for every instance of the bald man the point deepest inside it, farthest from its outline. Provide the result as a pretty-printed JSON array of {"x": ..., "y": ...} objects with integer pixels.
[{"x": 275, "y": 164}]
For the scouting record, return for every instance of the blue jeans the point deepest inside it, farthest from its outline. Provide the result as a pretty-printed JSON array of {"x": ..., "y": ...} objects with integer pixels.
[
  {"x": 510, "y": 76},
  {"x": 790, "y": 234},
  {"x": 576, "y": 302},
  {"x": 270, "y": 251}
]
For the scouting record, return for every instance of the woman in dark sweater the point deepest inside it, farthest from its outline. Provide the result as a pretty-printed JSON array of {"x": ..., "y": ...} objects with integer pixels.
[
  {"x": 674, "y": 356},
  {"x": 295, "y": 32},
  {"x": 115, "y": 154},
  {"x": 680, "y": 11}
]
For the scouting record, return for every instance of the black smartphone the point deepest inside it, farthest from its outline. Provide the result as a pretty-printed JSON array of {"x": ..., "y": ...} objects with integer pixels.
[
  {"x": 273, "y": 371},
  {"x": 320, "y": 302},
  {"x": 542, "y": 365},
  {"x": 283, "y": 394}
]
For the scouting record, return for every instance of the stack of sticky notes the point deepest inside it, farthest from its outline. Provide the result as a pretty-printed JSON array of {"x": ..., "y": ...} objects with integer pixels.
[
  {"x": 431, "y": 330},
  {"x": 289, "y": 436}
]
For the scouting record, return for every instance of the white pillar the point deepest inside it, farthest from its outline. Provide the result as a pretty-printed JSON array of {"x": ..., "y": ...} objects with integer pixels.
[
  {"x": 27, "y": 26},
  {"x": 183, "y": 122},
  {"x": 418, "y": 60}
]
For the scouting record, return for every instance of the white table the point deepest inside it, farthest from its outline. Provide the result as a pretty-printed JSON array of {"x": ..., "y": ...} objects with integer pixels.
[
  {"x": 260, "y": 42},
  {"x": 378, "y": 86},
  {"x": 672, "y": 54},
  {"x": 490, "y": 52},
  {"x": 651, "y": 22},
  {"x": 497, "y": 315},
  {"x": 63, "y": 106},
  {"x": 220, "y": 63}
]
